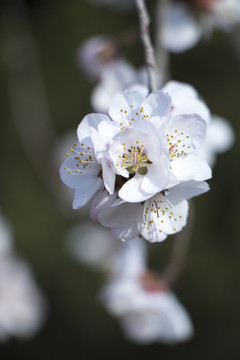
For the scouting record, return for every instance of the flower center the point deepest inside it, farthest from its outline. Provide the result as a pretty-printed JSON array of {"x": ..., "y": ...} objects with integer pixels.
[
  {"x": 158, "y": 211},
  {"x": 179, "y": 144},
  {"x": 83, "y": 158},
  {"x": 134, "y": 159}
]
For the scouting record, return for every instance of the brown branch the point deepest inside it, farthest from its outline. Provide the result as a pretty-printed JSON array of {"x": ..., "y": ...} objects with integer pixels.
[{"x": 149, "y": 51}]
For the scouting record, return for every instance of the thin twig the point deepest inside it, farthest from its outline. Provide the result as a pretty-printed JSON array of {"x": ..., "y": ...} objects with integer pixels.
[
  {"x": 179, "y": 251},
  {"x": 149, "y": 51}
]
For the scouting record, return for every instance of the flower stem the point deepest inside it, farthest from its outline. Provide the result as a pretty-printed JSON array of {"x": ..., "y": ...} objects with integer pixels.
[{"x": 149, "y": 51}]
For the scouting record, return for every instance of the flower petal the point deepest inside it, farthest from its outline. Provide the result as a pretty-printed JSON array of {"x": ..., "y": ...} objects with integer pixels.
[
  {"x": 157, "y": 103},
  {"x": 128, "y": 101},
  {"x": 185, "y": 100},
  {"x": 191, "y": 167},
  {"x": 162, "y": 217},
  {"x": 89, "y": 186},
  {"x": 108, "y": 176},
  {"x": 185, "y": 133}
]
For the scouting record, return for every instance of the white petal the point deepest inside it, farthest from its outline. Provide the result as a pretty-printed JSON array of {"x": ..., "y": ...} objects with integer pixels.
[
  {"x": 156, "y": 178},
  {"x": 131, "y": 258},
  {"x": 191, "y": 167},
  {"x": 156, "y": 104},
  {"x": 131, "y": 191},
  {"x": 83, "y": 130},
  {"x": 87, "y": 189},
  {"x": 162, "y": 217},
  {"x": 108, "y": 129},
  {"x": 185, "y": 100},
  {"x": 185, "y": 132},
  {"x": 98, "y": 144},
  {"x": 168, "y": 322},
  {"x": 189, "y": 189},
  {"x": 127, "y": 101},
  {"x": 122, "y": 219},
  {"x": 180, "y": 31},
  {"x": 108, "y": 176},
  {"x": 102, "y": 201},
  {"x": 71, "y": 177}
]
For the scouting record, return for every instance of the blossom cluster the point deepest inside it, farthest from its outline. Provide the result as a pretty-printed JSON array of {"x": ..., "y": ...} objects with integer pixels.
[
  {"x": 140, "y": 157},
  {"x": 141, "y": 162}
]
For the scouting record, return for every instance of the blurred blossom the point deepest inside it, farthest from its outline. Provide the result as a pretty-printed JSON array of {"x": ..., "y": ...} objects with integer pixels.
[
  {"x": 148, "y": 311},
  {"x": 22, "y": 307},
  {"x": 184, "y": 23},
  {"x": 220, "y": 138},
  {"x": 119, "y": 76},
  {"x": 95, "y": 53},
  {"x": 92, "y": 245},
  {"x": 179, "y": 29}
]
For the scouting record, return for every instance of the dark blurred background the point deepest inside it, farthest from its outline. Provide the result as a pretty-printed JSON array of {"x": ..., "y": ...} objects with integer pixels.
[{"x": 43, "y": 94}]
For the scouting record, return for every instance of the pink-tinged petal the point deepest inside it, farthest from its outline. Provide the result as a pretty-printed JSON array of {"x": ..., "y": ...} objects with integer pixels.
[
  {"x": 185, "y": 100},
  {"x": 156, "y": 104},
  {"x": 191, "y": 167},
  {"x": 85, "y": 192},
  {"x": 127, "y": 101},
  {"x": 184, "y": 134},
  {"x": 180, "y": 30},
  {"x": 108, "y": 176}
]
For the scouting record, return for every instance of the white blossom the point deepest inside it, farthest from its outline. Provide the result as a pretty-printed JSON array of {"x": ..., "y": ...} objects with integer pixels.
[
  {"x": 184, "y": 24},
  {"x": 118, "y": 76},
  {"x": 140, "y": 153},
  {"x": 22, "y": 306},
  {"x": 92, "y": 245},
  {"x": 154, "y": 219},
  {"x": 219, "y": 138},
  {"x": 219, "y": 133},
  {"x": 148, "y": 311},
  {"x": 147, "y": 146},
  {"x": 95, "y": 54}
]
